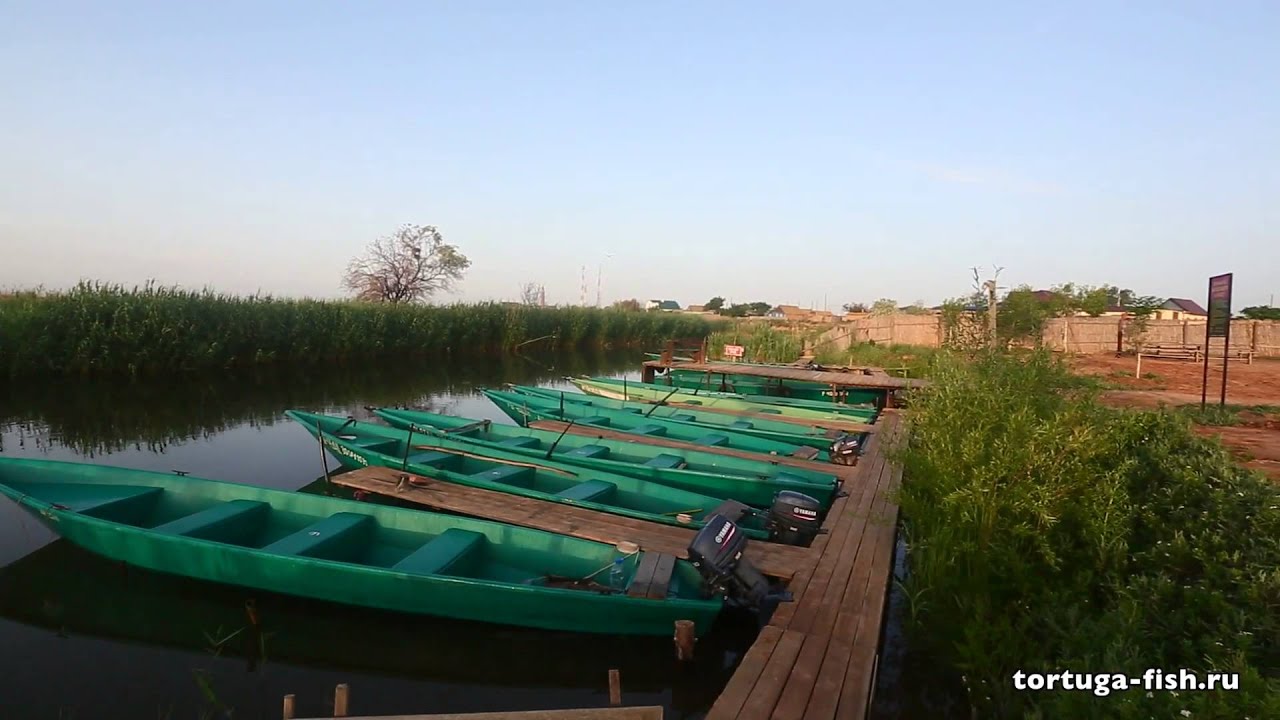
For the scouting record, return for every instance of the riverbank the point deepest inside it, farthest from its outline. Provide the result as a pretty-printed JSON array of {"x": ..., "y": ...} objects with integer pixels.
[
  {"x": 108, "y": 330},
  {"x": 1049, "y": 532}
]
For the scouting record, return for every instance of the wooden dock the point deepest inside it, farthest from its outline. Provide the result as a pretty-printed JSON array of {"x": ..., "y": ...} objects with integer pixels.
[
  {"x": 617, "y": 713},
  {"x": 772, "y": 559},
  {"x": 836, "y": 379},
  {"x": 817, "y": 656}
]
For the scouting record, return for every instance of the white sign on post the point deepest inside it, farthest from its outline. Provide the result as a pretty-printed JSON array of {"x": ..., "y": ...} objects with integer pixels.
[{"x": 734, "y": 351}]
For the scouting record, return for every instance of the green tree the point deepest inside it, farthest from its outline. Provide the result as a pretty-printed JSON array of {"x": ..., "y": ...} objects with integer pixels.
[
  {"x": 1261, "y": 312},
  {"x": 631, "y": 305},
  {"x": 884, "y": 306},
  {"x": 758, "y": 308},
  {"x": 855, "y": 307},
  {"x": 714, "y": 304}
]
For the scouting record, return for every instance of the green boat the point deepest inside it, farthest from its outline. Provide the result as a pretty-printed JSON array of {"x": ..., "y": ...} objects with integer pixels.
[
  {"x": 527, "y": 407},
  {"x": 810, "y": 411},
  {"x": 754, "y": 482},
  {"x": 756, "y": 385},
  {"x": 351, "y": 552},
  {"x": 361, "y": 444},
  {"x": 814, "y": 436}
]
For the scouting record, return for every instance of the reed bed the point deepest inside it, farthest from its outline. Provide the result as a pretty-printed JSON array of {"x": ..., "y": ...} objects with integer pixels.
[
  {"x": 1047, "y": 532},
  {"x": 99, "y": 329},
  {"x": 761, "y": 341}
]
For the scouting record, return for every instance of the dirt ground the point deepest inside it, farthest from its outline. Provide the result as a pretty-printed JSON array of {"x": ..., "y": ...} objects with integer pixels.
[{"x": 1255, "y": 440}]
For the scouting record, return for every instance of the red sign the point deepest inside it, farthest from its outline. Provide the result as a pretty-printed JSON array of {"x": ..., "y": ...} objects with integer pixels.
[{"x": 733, "y": 351}]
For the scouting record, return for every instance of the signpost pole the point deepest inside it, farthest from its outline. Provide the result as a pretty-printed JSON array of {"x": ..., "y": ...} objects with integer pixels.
[{"x": 1208, "y": 329}]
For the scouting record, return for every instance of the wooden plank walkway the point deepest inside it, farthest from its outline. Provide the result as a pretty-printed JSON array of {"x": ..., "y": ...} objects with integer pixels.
[
  {"x": 841, "y": 379},
  {"x": 642, "y": 712},
  {"x": 772, "y": 559},
  {"x": 817, "y": 656}
]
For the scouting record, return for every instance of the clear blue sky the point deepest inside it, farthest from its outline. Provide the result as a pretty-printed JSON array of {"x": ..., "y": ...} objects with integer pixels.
[{"x": 787, "y": 152}]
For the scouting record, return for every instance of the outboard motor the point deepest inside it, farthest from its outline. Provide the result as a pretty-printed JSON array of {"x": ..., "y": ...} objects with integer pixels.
[
  {"x": 716, "y": 551},
  {"x": 794, "y": 518},
  {"x": 846, "y": 449}
]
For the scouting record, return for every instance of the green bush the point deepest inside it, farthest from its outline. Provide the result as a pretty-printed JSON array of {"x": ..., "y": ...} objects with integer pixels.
[
  {"x": 1049, "y": 533},
  {"x": 98, "y": 329}
]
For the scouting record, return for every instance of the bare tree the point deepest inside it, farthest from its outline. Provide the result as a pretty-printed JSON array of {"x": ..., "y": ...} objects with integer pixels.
[
  {"x": 531, "y": 293},
  {"x": 408, "y": 266}
]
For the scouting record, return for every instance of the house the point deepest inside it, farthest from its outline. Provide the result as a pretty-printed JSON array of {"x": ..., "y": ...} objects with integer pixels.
[
  {"x": 696, "y": 309},
  {"x": 666, "y": 305},
  {"x": 821, "y": 316},
  {"x": 1180, "y": 309},
  {"x": 791, "y": 313}
]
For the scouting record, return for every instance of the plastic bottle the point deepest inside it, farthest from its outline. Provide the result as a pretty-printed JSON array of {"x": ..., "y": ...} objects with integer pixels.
[{"x": 616, "y": 580}]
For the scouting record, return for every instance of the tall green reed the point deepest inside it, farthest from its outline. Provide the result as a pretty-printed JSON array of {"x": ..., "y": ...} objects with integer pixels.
[{"x": 99, "y": 329}]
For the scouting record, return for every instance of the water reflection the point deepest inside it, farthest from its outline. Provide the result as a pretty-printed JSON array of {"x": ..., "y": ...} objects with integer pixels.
[
  {"x": 83, "y": 637},
  {"x": 93, "y": 418}
]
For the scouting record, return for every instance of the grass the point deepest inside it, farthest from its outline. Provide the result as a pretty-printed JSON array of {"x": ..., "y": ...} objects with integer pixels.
[
  {"x": 98, "y": 329},
  {"x": 767, "y": 343},
  {"x": 1223, "y": 415},
  {"x": 1047, "y": 532},
  {"x": 762, "y": 342}
]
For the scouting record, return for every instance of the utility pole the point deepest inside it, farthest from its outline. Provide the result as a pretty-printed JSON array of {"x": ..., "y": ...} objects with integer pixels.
[{"x": 584, "y": 286}]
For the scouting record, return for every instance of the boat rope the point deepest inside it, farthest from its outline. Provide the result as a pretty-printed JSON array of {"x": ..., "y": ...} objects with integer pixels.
[{"x": 606, "y": 567}]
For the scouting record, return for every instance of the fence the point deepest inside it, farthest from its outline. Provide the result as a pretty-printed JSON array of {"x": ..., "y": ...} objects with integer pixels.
[{"x": 1077, "y": 335}]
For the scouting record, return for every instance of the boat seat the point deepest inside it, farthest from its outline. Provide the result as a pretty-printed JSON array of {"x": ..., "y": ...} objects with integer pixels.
[
  {"x": 431, "y": 458},
  {"x": 683, "y": 416},
  {"x": 649, "y": 429},
  {"x": 741, "y": 424},
  {"x": 441, "y": 552},
  {"x": 380, "y": 445},
  {"x": 666, "y": 461},
  {"x": 652, "y": 576},
  {"x": 588, "y": 451},
  {"x": 520, "y": 442},
  {"x": 713, "y": 439},
  {"x": 224, "y": 520},
  {"x": 509, "y": 474},
  {"x": 594, "y": 420},
  {"x": 731, "y": 509},
  {"x": 104, "y": 501},
  {"x": 589, "y": 491},
  {"x": 322, "y": 537}
]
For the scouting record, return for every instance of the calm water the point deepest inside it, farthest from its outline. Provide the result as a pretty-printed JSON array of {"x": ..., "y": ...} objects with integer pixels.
[{"x": 83, "y": 637}]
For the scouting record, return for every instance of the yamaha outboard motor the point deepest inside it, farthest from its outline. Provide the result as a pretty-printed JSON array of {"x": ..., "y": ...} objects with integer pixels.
[
  {"x": 846, "y": 449},
  {"x": 716, "y": 551},
  {"x": 794, "y": 518}
]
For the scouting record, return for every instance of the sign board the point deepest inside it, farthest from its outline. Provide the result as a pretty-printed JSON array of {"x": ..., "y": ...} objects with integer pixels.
[
  {"x": 733, "y": 351},
  {"x": 1219, "y": 305}
]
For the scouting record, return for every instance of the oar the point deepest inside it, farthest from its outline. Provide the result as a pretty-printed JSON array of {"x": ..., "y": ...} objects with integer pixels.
[
  {"x": 661, "y": 402},
  {"x": 558, "y": 439}
]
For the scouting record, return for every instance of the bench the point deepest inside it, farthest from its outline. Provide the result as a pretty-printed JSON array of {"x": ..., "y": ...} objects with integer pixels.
[
  {"x": 517, "y": 475},
  {"x": 652, "y": 576},
  {"x": 336, "y": 532},
  {"x": 1187, "y": 352},
  {"x": 741, "y": 425},
  {"x": 222, "y": 521},
  {"x": 714, "y": 439},
  {"x": 588, "y": 451},
  {"x": 442, "y": 552},
  {"x": 431, "y": 459},
  {"x": 649, "y": 429},
  {"x": 666, "y": 462},
  {"x": 109, "y": 502},
  {"x": 589, "y": 491},
  {"x": 520, "y": 442}
]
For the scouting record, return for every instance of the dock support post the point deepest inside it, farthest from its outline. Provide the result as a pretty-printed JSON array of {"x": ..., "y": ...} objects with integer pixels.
[
  {"x": 341, "y": 698},
  {"x": 684, "y": 639},
  {"x": 288, "y": 707},
  {"x": 615, "y": 688}
]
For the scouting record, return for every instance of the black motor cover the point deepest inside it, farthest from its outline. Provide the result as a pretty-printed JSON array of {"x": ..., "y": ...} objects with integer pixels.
[
  {"x": 716, "y": 552},
  {"x": 846, "y": 449},
  {"x": 795, "y": 518}
]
